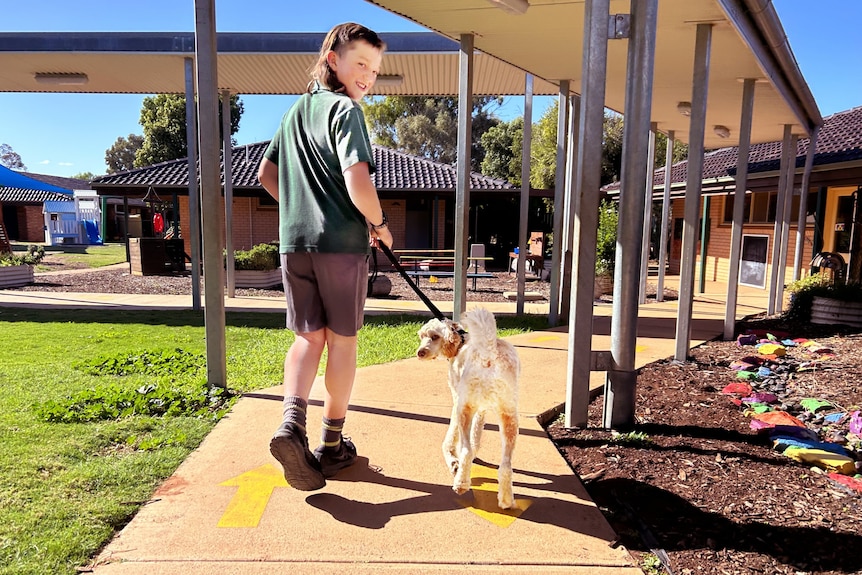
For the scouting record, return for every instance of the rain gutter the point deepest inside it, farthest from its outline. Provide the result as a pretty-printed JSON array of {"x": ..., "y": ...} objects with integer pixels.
[{"x": 758, "y": 24}]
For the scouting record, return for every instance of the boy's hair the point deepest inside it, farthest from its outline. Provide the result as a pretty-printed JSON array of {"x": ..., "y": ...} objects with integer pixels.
[{"x": 337, "y": 40}]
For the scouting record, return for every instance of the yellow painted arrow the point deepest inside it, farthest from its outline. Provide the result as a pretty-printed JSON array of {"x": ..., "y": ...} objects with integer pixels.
[
  {"x": 484, "y": 480},
  {"x": 249, "y": 502}
]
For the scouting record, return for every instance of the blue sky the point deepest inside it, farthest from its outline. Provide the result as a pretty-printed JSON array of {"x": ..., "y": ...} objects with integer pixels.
[{"x": 66, "y": 134}]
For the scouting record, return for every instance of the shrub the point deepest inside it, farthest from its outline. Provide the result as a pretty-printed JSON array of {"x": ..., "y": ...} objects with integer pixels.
[
  {"x": 803, "y": 291},
  {"x": 606, "y": 240},
  {"x": 32, "y": 257},
  {"x": 261, "y": 257}
]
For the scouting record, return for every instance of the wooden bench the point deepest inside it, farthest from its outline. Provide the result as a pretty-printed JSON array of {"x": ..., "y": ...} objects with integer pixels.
[{"x": 447, "y": 274}]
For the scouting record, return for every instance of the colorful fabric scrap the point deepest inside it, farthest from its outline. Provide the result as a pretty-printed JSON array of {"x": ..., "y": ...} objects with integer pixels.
[{"x": 822, "y": 459}]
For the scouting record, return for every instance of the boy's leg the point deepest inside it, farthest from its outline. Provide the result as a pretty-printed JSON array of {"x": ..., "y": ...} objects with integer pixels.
[
  {"x": 289, "y": 445},
  {"x": 336, "y": 452},
  {"x": 305, "y": 318}
]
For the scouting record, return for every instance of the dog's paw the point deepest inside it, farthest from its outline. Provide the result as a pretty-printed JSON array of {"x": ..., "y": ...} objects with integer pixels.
[
  {"x": 461, "y": 488},
  {"x": 505, "y": 500}
]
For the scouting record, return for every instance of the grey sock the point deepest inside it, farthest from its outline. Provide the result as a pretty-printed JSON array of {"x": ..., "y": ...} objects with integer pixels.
[
  {"x": 330, "y": 437},
  {"x": 293, "y": 414}
]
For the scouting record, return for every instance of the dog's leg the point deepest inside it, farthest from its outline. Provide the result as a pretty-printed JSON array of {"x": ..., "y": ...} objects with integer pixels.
[
  {"x": 476, "y": 430},
  {"x": 508, "y": 434},
  {"x": 450, "y": 454},
  {"x": 465, "y": 451}
]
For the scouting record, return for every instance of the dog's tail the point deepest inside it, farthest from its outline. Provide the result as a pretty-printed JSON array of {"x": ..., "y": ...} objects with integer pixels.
[{"x": 481, "y": 329}]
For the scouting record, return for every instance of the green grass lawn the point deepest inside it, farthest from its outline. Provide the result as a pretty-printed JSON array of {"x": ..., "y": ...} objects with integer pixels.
[
  {"x": 87, "y": 256},
  {"x": 67, "y": 487}
]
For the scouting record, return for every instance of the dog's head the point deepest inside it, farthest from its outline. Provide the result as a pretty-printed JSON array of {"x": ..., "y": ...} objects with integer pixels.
[{"x": 439, "y": 337}]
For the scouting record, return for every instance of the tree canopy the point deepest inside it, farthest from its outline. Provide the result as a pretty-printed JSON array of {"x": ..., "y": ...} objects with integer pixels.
[
  {"x": 427, "y": 127},
  {"x": 163, "y": 118},
  {"x": 10, "y": 158},
  {"x": 121, "y": 156}
]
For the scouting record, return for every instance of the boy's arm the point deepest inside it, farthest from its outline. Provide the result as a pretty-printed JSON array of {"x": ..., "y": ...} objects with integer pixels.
[
  {"x": 267, "y": 175},
  {"x": 364, "y": 196}
]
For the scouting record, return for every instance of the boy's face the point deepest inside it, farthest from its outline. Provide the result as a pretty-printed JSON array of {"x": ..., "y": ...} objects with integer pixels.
[{"x": 357, "y": 67}]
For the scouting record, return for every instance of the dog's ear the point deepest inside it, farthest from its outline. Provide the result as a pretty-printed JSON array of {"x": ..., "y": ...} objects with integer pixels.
[{"x": 451, "y": 340}]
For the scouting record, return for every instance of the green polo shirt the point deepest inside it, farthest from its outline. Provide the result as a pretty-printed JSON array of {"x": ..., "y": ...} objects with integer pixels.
[{"x": 321, "y": 136}]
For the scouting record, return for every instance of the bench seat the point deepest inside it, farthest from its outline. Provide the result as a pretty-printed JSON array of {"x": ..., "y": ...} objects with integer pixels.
[{"x": 447, "y": 274}]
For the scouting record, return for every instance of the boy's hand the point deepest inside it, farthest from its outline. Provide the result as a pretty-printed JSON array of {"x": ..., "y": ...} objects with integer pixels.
[{"x": 381, "y": 235}]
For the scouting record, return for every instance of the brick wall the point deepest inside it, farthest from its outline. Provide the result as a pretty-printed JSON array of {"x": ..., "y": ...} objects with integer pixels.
[{"x": 31, "y": 227}]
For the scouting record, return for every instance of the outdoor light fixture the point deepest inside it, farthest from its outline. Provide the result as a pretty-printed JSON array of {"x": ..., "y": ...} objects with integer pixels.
[
  {"x": 511, "y": 6},
  {"x": 721, "y": 131},
  {"x": 61, "y": 78},
  {"x": 389, "y": 80},
  {"x": 684, "y": 108}
]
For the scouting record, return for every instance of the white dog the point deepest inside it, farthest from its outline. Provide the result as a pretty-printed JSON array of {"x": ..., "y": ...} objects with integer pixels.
[{"x": 483, "y": 376}]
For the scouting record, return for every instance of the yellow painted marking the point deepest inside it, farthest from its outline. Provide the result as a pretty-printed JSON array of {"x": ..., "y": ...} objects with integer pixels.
[
  {"x": 248, "y": 504},
  {"x": 542, "y": 338},
  {"x": 484, "y": 483},
  {"x": 640, "y": 348}
]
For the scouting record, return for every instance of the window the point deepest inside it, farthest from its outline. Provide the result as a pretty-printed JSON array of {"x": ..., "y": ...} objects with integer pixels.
[{"x": 760, "y": 208}]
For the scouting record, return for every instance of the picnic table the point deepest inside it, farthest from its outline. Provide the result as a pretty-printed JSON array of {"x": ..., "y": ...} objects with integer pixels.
[{"x": 439, "y": 263}]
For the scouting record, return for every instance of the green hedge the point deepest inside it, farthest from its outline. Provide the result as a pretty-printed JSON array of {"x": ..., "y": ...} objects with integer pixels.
[{"x": 259, "y": 257}]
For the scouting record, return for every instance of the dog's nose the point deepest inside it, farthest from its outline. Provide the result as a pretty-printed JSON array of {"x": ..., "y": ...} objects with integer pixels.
[{"x": 421, "y": 353}]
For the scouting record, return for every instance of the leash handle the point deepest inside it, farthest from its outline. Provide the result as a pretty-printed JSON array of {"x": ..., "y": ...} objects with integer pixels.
[{"x": 410, "y": 281}]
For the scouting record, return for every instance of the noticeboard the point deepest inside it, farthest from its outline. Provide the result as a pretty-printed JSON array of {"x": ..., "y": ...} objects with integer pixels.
[{"x": 752, "y": 263}]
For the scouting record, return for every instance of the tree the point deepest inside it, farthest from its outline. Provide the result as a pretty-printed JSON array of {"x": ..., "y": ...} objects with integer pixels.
[
  {"x": 84, "y": 176},
  {"x": 121, "y": 156},
  {"x": 163, "y": 118},
  {"x": 543, "y": 151},
  {"x": 10, "y": 158},
  {"x": 502, "y": 144},
  {"x": 612, "y": 148},
  {"x": 427, "y": 127}
]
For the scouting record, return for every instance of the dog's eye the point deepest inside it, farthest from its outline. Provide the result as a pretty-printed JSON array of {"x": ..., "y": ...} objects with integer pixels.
[{"x": 435, "y": 337}]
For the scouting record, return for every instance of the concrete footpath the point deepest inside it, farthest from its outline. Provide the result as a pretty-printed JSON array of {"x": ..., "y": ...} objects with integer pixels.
[{"x": 228, "y": 510}]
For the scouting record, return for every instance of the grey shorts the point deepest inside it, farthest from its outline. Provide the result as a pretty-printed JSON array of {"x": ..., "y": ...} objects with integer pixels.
[{"x": 325, "y": 290}]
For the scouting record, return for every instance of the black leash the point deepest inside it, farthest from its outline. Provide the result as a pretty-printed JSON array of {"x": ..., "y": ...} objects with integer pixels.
[{"x": 410, "y": 282}]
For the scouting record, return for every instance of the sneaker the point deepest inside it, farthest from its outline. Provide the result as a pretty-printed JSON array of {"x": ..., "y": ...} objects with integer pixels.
[
  {"x": 332, "y": 460},
  {"x": 301, "y": 469}
]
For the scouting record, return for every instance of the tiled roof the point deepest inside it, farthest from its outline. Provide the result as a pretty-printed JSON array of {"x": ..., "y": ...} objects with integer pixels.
[
  {"x": 59, "y": 181},
  {"x": 840, "y": 140},
  {"x": 395, "y": 171},
  {"x": 20, "y": 196}
]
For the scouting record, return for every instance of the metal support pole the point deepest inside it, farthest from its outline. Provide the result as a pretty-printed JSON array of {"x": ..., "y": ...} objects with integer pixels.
[
  {"x": 194, "y": 231},
  {"x": 803, "y": 204},
  {"x": 570, "y": 208},
  {"x": 126, "y": 227},
  {"x": 559, "y": 201},
  {"x": 227, "y": 161},
  {"x": 207, "y": 72},
  {"x": 739, "y": 206},
  {"x": 704, "y": 240},
  {"x": 647, "y": 219},
  {"x": 693, "y": 187},
  {"x": 786, "y": 207},
  {"x": 523, "y": 239},
  {"x": 621, "y": 384},
  {"x": 779, "y": 210},
  {"x": 665, "y": 217},
  {"x": 586, "y": 201},
  {"x": 462, "y": 185}
]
